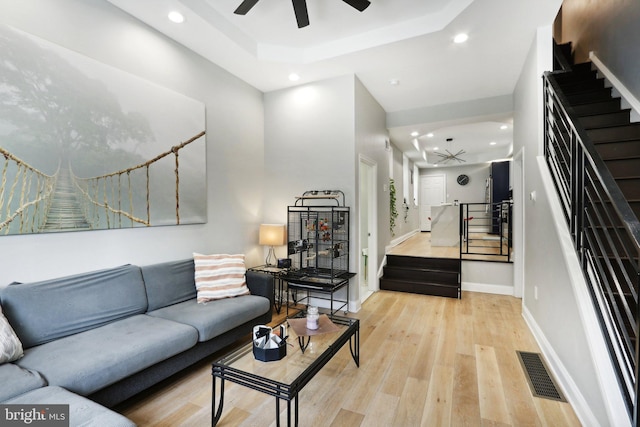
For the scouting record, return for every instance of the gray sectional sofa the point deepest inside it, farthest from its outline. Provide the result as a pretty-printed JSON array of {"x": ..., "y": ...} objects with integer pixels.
[{"x": 93, "y": 340}]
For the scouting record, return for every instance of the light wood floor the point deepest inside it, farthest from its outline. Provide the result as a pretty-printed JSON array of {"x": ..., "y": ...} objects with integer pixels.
[
  {"x": 424, "y": 361},
  {"x": 420, "y": 245}
]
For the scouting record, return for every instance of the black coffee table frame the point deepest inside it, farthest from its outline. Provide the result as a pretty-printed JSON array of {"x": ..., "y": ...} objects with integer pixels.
[{"x": 288, "y": 392}]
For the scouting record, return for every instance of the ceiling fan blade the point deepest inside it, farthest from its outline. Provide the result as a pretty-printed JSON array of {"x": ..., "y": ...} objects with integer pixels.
[
  {"x": 302, "y": 16},
  {"x": 358, "y": 4},
  {"x": 245, "y": 7}
]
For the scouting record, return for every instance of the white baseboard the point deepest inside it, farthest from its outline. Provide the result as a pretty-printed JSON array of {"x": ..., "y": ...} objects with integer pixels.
[
  {"x": 566, "y": 383},
  {"x": 400, "y": 239},
  {"x": 625, "y": 93},
  {"x": 487, "y": 288}
]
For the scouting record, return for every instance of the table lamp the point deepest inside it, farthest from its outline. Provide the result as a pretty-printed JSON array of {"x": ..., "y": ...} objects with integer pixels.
[{"x": 272, "y": 235}]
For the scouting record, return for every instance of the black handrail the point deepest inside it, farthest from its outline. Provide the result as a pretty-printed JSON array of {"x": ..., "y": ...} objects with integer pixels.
[
  {"x": 605, "y": 232},
  {"x": 479, "y": 239}
]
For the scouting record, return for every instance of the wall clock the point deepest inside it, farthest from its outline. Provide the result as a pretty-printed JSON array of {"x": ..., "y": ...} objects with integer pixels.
[{"x": 463, "y": 179}]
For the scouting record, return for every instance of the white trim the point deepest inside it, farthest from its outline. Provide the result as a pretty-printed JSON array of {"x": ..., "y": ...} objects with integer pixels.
[
  {"x": 395, "y": 242},
  {"x": 603, "y": 367},
  {"x": 625, "y": 93},
  {"x": 372, "y": 284},
  {"x": 569, "y": 388},
  {"x": 519, "y": 221},
  {"x": 487, "y": 288}
]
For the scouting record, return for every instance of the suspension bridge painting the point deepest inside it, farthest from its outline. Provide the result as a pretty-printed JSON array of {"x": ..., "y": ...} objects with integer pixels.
[{"x": 85, "y": 146}]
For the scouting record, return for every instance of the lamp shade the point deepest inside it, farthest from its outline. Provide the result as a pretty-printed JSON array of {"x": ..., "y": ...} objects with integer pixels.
[{"x": 273, "y": 234}]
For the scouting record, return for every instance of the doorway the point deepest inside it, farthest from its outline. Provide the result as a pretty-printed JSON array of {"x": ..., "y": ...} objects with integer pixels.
[
  {"x": 367, "y": 237},
  {"x": 432, "y": 193}
]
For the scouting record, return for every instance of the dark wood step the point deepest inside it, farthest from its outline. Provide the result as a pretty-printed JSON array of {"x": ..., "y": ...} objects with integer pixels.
[
  {"x": 624, "y": 168},
  {"x": 615, "y": 133},
  {"x": 421, "y": 275},
  {"x": 573, "y": 77},
  {"x": 597, "y": 107},
  {"x": 615, "y": 118},
  {"x": 423, "y": 288},
  {"x": 613, "y": 240},
  {"x": 581, "y": 85},
  {"x": 441, "y": 264},
  {"x": 583, "y": 67},
  {"x": 630, "y": 187},
  {"x": 607, "y": 214},
  {"x": 589, "y": 96},
  {"x": 619, "y": 149}
]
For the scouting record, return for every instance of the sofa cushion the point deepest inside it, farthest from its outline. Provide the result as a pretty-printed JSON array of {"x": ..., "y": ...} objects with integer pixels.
[
  {"x": 16, "y": 380},
  {"x": 169, "y": 283},
  {"x": 10, "y": 345},
  {"x": 91, "y": 360},
  {"x": 216, "y": 317},
  {"x": 44, "y": 311},
  {"x": 219, "y": 276},
  {"x": 82, "y": 411}
]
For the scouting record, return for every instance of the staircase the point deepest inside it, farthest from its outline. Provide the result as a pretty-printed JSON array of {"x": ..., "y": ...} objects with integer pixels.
[
  {"x": 427, "y": 276},
  {"x": 609, "y": 126},
  {"x": 593, "y": 151},
  {"x": 617, "y": 141}
]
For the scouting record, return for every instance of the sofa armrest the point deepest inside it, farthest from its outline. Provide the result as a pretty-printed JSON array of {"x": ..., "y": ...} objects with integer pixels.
[{"x": 261, "y": 284}]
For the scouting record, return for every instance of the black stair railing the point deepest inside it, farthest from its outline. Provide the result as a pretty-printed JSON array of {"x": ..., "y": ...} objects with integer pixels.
[
  {"x": 605, "y": 232},
  {"x": 486, "y": 231}
]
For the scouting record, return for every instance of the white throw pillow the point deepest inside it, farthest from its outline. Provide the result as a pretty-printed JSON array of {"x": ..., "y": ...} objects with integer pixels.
[
  {"x": 10, "y": 345},
  {"x": 219, "y": 276}
]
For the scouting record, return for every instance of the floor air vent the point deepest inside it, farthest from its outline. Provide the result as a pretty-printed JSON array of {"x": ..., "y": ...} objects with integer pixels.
[{"x": 541, "y": 383}]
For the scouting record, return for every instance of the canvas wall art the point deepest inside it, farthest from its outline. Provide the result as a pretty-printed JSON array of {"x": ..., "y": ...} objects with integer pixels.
[{"x": 85, "y": 146}]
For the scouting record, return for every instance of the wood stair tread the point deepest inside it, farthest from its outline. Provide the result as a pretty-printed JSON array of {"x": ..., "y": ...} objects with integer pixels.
[{"x": 423, "y": 275}]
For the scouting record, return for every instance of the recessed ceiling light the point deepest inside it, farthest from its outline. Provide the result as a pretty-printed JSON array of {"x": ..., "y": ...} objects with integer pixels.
[
  {"x": 394, "y": 82},
  {"x": 435, "y": 148},
  {"x": 175, "y": 16},
  {"x": 294, "y": 77},
  {"x": 461, "y": 38},
  {"x": 415, "y": 133},
  {"x": 430, "y": 135},
  {"x": 503, "y": 127},
  {"x": 492, "y": 143}
]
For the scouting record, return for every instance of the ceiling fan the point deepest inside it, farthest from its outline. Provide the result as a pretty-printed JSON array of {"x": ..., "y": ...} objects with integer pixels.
[
  {"x": 450, "y": 156},
  {"x": 300, "y": 8}
]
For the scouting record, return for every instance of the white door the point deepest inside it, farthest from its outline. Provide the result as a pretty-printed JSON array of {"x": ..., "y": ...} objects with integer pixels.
[
  {"x": 367, "y": 276},
  {"x": 432, "y": 193}
]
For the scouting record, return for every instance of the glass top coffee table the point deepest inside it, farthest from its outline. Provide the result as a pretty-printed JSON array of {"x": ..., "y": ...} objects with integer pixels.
[{"x": 284, "y": 378}]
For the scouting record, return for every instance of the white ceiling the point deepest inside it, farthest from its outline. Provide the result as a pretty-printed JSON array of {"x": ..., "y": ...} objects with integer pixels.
[{"x": 410, "y": 41}]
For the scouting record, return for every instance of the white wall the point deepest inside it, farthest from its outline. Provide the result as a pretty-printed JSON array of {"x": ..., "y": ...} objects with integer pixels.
[
  {"x": 314, "y": 136},
  {"x": 473, "y": 192},
  {"x": 234, "y": 120},
  {"x": 370, "y": 137},
  {"x": 309, "y": 145},
  {"x": 554, "y": 315},
  {"x": 608, "y": 28},
  {"x": 404, "y": 227}
]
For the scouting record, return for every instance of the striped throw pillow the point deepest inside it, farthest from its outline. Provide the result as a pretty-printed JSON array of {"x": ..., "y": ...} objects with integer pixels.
[
  {"x": 219, "y": 276},
  {"x": 10, "y": 345}
]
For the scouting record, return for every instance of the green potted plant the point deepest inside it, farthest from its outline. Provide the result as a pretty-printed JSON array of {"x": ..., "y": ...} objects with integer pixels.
[{"x": 393, "y": 211}]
